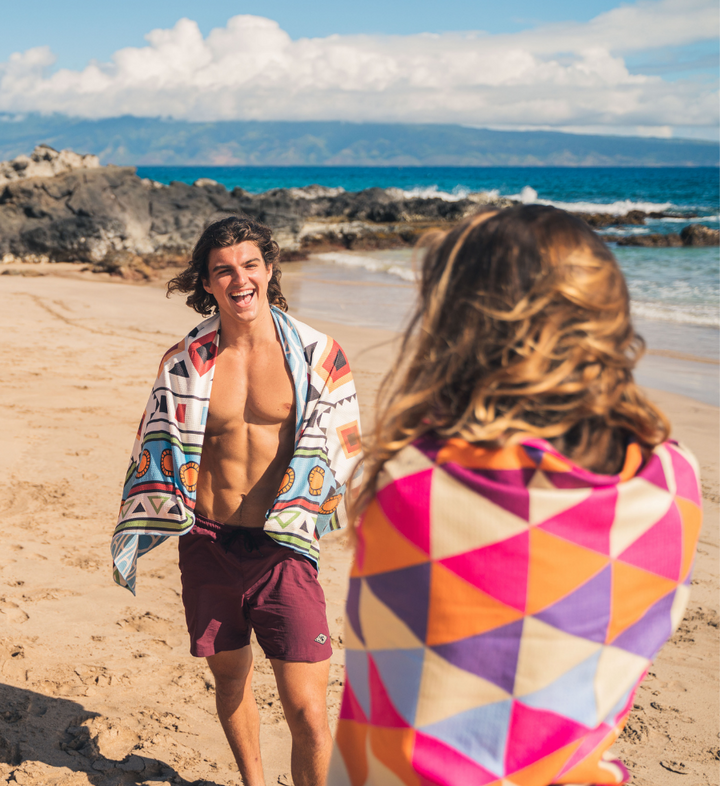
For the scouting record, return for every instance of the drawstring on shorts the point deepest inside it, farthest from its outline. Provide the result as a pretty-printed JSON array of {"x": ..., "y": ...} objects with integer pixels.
[{"x": 227, "y": 539}]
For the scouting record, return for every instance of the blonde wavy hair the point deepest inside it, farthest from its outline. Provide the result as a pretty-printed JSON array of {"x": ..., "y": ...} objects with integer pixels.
[{"x": 522, "y": 327}]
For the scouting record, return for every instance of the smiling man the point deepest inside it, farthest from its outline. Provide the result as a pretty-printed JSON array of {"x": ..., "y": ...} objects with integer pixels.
[{"x": 245, "y": 449}]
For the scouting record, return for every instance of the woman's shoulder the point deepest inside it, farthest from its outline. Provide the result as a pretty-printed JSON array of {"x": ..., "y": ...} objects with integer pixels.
[
  {"x": 675, "y": 465},
  {"x": 670, "y": 465},
  {"x": 415, "y": 459}
]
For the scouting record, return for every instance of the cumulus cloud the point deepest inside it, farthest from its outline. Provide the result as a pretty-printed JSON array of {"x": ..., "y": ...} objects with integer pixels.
[{"x": 563, "y": 75}]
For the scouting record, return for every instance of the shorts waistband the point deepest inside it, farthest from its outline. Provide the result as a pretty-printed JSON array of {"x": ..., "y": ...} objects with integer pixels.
[
  {"x": 227, "y": 535},
  {"x": 224, "y": 529}
]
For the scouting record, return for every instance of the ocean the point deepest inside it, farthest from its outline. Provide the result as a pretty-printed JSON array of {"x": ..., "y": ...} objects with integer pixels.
[{"x": 675, "y": 291}]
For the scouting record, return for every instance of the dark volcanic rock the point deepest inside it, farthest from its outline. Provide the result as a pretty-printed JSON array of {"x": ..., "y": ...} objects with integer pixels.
[
  {"x": 110, "y": 217},
  {"x": 600, "y": 220},
  {"x": 650, "y": 241},
  {"x": 63, "y": 206},
  {"x": 79, "y": 215},
  {"x": 88, "y": 215},
  {"x": 692, "y": 235},
  {"x": 699, "y": 235},
  {"x": 105, "y": 214}
]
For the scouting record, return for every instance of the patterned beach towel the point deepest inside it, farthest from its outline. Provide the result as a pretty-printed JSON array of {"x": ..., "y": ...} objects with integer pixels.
[
  {"x": 503, "y": 607},
  {"x": 159, "y": 493}
]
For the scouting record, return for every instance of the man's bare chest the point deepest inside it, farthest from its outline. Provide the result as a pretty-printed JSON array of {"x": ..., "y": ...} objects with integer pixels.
[{"x": 253, "y": 390}]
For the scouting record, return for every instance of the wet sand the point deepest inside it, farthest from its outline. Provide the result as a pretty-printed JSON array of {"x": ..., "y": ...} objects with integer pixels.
[{"x": 97, "y": 686}]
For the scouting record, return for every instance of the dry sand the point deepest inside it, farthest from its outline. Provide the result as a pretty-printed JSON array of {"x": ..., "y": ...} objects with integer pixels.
[{"x": 98, "y": 686}]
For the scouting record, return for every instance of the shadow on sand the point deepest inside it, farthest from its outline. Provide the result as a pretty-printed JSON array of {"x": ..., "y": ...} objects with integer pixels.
[{"x": 39, "y": 734}]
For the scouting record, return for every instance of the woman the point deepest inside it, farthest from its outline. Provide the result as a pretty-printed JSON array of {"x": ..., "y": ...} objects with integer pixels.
[{"x": 527, "y": 529}]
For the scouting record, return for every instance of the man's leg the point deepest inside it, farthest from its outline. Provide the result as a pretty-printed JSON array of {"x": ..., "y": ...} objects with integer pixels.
[
  {"x": 303, "y": 690},
  {"x": 238, "y": 711}
]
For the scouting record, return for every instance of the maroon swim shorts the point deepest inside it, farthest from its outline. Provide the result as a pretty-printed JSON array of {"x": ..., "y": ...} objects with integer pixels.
[{"x": 236, "y": 579}]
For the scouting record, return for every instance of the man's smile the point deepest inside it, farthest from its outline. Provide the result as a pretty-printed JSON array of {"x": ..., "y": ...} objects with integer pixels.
[{"x": 242, "y": 296}]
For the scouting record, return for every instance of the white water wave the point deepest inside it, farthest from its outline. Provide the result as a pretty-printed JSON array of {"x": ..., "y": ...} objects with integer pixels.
[
  {"x": 433, "y": 192},
  {"x": 391, "y": 267},
  {"x": 681, "y": 220},
  {"x": 529, "y": 196},
  {"x": 699, "y": 314},
  {"x": 624, "y": 231}
]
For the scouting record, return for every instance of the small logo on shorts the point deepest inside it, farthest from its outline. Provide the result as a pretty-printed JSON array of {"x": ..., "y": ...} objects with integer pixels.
[{"x": 321, "y": 639}]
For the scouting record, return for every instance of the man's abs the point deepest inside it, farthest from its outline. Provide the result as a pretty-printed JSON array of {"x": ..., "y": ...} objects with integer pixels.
[{"x": 248, "y": 444}]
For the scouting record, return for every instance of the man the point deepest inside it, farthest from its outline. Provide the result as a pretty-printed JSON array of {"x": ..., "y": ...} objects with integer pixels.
[{"x": 247, "y": 443}]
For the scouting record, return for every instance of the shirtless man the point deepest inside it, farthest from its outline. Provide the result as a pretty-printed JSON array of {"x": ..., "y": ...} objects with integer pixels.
[
  {"x": 236, "y": 576},
  {"x": 249, "y": 441}
]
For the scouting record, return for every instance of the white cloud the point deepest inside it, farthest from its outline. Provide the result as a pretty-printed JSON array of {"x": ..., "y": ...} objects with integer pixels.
[{"x": 568, "y": 75}]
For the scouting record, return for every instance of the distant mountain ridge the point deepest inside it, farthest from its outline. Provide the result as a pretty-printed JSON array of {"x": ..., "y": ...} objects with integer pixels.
[{"x": 139, "y": 141}]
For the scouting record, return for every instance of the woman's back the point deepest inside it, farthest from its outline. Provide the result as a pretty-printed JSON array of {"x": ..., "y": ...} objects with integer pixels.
[
  {"x": 503, "y": 606},
  {"x": 528, "y": 529}
]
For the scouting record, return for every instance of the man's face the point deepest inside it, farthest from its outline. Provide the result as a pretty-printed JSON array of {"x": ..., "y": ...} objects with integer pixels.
[{"x": 238, "y": 278}]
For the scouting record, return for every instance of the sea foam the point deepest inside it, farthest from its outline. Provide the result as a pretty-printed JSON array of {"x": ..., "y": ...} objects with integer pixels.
[
  {"x": 700, "y": 315},
  {"x": 528, "y": 195},
  {"x": 373, "y": 264}
]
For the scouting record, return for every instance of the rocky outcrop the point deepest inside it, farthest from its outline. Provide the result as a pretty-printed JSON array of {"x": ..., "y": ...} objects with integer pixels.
[
  {"x": 692, "y": 235},
  {"x": 64, "y": 207},
  {"x": 699, "y": 235},
  {"x": 655, "y": 240},
  {"x": 631, "y": 218},
  {"x": 91, "y": 215},
  {"x": 45, "y": 161},
  {"x": 100, "y": 214}
]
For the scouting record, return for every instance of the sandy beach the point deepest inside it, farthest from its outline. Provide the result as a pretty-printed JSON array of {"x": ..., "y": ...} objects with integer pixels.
[{"x": 97, "y": 686}]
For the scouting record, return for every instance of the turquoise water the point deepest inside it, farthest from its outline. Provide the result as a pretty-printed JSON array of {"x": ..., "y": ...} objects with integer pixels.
[{"x": 674, "y": 286}]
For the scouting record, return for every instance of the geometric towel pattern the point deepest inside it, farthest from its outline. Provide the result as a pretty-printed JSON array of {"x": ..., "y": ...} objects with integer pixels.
[
  {"x": 160, "y": 484},
  {"x": 503, "y": 607}
]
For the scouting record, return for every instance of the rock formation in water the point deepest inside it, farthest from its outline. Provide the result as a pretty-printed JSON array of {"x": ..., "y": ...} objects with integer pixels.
[
  {"x": 699, "y": 235},
  {"x": 691, "y": 235},
  {"x": 655, "y": 240},
  {"x": 65, "y": 207}
]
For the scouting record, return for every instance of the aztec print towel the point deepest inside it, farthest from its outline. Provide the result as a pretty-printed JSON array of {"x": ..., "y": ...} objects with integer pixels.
[
  {"x": 503, "y": 607},
  {"x": 159, "y": 492}
]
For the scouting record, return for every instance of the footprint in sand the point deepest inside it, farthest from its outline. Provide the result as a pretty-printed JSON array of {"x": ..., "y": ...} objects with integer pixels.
[
  {"x": 636, "y": 730},
  {"x": 49, "y": 594},
  {"x": 674, "y": 710},
  {"x": 147, "y": 623},
  {"x": 83, "y": 563},
  {"x": 23, "y": 498},
  {"x": 12, "y": 613},
  {"x": 675, "y": 766}
]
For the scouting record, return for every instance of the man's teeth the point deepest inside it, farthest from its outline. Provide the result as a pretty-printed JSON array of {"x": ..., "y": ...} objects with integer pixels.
[{"x": 242, "y": 297}]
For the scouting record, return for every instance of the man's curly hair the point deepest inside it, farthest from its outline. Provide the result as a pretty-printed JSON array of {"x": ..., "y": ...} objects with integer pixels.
[{"x": 221, "y": 234}]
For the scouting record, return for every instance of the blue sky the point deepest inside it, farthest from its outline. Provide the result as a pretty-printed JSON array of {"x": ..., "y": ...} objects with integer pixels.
[{"x": 650, "y": 67}]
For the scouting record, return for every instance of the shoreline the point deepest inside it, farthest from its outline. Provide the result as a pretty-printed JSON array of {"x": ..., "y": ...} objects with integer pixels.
[
  {"x": 313, "y": 283},
  {"x": 669, "y": 353}
]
